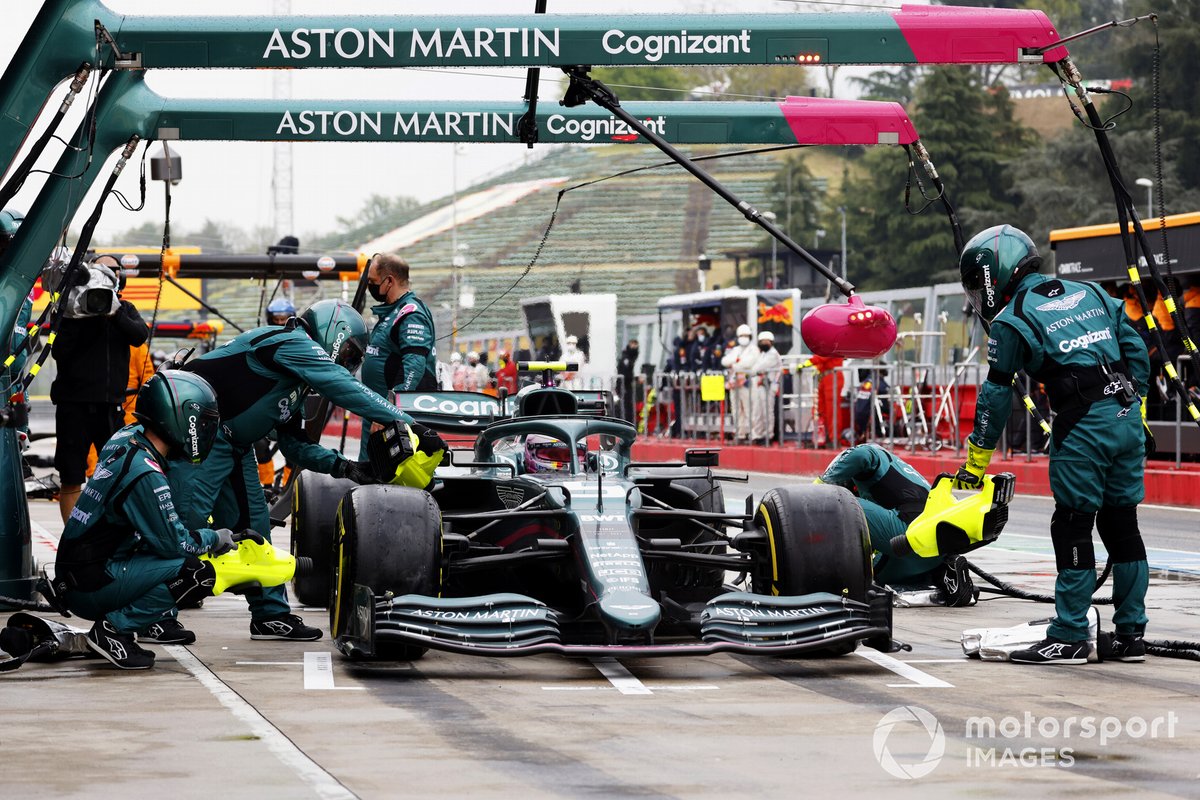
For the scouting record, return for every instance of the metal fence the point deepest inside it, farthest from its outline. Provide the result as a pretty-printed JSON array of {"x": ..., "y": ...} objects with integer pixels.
[{"x": 903, "y": 406}]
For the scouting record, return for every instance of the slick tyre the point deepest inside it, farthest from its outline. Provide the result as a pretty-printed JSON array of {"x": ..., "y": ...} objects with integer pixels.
[
  {"x": 389, "y": 538},
  {"x": 816, "y": 542},
  {"x": 315, "y": 499}
]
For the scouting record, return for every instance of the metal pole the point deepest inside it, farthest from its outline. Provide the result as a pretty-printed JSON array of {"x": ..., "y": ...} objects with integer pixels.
[{"x": 842, "y": 211}]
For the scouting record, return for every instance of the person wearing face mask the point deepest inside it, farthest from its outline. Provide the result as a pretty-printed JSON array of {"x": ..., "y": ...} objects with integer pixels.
[
  {"x": 700, "y": 353},
  {"x": 401, "y": 356},
  {"x": 766, "y": 373},
  {"x": 739, "y": 361}
]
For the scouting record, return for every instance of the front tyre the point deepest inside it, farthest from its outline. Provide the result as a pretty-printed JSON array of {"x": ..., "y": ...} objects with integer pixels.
[
  {"x": 315, "y": 499},
  {"x": 389, "y": 538}
]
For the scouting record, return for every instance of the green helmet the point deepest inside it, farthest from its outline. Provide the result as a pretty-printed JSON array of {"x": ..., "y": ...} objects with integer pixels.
[
  {"x": 180, "y": 407},
  {"x": 10, "y": 220},
  {"x": 992, "y": 264},
  {"x": 339, "y": 329}
]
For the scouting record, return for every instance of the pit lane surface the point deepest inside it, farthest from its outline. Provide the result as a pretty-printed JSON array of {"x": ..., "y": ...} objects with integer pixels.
[{"x": 273, "y": 719}]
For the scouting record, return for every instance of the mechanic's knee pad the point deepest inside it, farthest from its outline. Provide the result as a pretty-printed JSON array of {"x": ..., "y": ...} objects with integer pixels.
[
  {"x": 1071, "y": 533},
  {"x": 193, "y": 583},
  {"x": 1118, "y": 529}
]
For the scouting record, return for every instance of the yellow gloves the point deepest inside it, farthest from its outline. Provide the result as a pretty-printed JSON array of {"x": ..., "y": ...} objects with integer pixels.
[
  {"x": 970, "y": 475},
  {"x": 1151, "y": 447}
]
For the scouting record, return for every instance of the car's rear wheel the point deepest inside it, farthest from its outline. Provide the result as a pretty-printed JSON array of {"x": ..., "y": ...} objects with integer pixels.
[
  {"x": 817, "y": 542},
  {"x": 390, "y": 539},
  {"x": 315, "y": 499}
]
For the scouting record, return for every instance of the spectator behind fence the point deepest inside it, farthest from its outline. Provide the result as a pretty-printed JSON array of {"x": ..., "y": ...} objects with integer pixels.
[
  {"x": 831, "y": 383},
  {"x": 766, "y": 373},
  {"x": 677, "y": 364},
  {"x": 92, "y": 353},
  {"x": 627, "y": 368},
  {"x": 479, "y": 372},
  {"x": 739, "y": 361},
  {"x": 506, "y": 373},
  {"x": 700, "y": 352}
]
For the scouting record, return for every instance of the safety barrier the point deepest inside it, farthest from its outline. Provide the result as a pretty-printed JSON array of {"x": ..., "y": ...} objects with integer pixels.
[{"x": 903, "y": 406}]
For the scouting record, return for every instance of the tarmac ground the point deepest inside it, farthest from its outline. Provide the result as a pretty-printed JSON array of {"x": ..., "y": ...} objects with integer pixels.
[{"x": 267, "y": 719}]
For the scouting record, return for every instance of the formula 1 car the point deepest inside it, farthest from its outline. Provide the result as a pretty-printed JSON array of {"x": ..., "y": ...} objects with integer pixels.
[{"x": 600, "y": 556}]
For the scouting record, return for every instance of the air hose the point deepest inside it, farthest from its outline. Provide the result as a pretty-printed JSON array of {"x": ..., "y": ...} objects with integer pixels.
[{"x": 1166, "y": 648}]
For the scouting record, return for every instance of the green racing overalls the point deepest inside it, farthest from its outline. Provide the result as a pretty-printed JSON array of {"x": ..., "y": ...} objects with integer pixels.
[
  {"x": 1077, "y": 341},
  {"x": 124, "y": 555},
  {"x": 401, "y": 353},
  {"x": 892, "y": 494},
  {"x": 261, "y": 378}
]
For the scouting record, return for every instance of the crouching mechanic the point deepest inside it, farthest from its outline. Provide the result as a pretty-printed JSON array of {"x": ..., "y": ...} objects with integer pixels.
[
  {"x": 1076, "y": 340},
  {"x": 261, "y": 378},
  {"x": 125, "y": 560},
  {"x": 893, "y": 494}
]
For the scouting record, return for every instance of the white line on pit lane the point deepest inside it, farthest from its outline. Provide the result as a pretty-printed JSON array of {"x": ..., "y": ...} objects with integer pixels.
[
  {"x": 920, "y": 680},
  {"x": 619, "y": 677},
  {"x": 309, "y": 771},
  {"x": 699, "y": 687},
  {"x": 270, "y": 663},
  {"x": 318, "y": 673}
]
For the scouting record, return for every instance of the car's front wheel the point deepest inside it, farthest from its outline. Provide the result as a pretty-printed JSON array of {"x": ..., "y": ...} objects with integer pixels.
[{"x": 389, "y": 538}]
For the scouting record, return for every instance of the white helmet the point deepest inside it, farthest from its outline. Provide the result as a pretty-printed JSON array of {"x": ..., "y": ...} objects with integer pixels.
[
  {"x": 572, "y": 340},
  {"x": 456, "y": 357},
  {"x": 766, "y": 336},
  {"x": 472, "y": 357},
  {"x": 744, "y": 330}
]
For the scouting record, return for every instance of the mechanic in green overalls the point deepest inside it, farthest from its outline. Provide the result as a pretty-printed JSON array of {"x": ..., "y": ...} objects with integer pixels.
[
  {"x": 261, "y": 378},
  {"x": 892, "y": 494},
  {"x": 125, "y": 560},
  {"x": 1076, "y": 340},
  {"x": 401, "y": 354}
]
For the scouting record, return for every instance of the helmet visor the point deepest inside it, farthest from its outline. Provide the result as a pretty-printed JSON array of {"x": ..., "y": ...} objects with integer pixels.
[
  {"x": 551, "y": 451},
  {"x": 202, "y": 425},
  {"x": 350, "y": 355}
]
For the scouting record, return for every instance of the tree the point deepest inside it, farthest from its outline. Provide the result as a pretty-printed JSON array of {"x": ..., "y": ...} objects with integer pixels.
[
  {"x": 794, "y": 199},
  {"x": 971, "y": 134},
  {"x": 645, "y": 83},
  {"x": 897, "y": 84},
  {"x": 378, "y": 209},
  {"x": 1062, "y": 183},
  {"x": 1179, "y": 33},
  {"x": 703, "y": 83}
]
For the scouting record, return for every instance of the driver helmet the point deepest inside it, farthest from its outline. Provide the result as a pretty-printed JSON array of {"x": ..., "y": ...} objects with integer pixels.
[
  {"x": 547, "y": 454},
  {"x": 338, "y": 329},
  {"x": 280, "y": 310},
  {"x": 180, "y": 407}
]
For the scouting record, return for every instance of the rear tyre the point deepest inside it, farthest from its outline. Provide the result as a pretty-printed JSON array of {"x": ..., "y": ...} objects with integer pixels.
[
  {"x": 315, "y": 499},
  {"x": 390, "y": 539},
  {"x": 817, "y": 542}
]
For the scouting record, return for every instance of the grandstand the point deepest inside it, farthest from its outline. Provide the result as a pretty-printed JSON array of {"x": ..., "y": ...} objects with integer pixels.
[{"x": 638, "y": 235}]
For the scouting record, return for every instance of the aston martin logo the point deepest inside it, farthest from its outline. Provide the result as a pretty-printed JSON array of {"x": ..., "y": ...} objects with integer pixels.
[{"x": 1063, "y": 303}]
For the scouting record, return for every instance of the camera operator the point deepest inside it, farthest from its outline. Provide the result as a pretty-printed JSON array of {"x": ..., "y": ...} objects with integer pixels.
[{"x": 92, "y": 353}]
